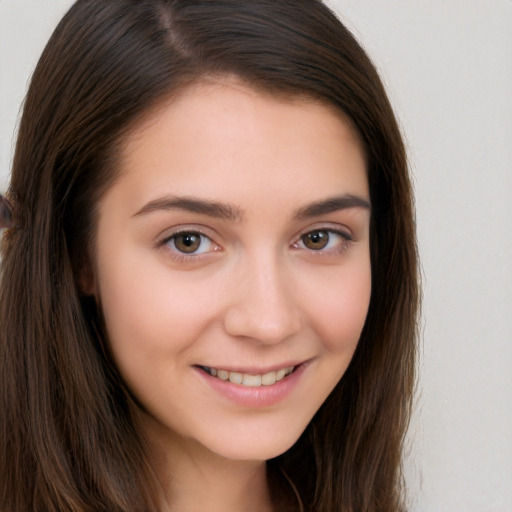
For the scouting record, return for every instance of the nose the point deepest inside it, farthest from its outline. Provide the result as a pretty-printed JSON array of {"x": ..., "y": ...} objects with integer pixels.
[{"x": 263, "y": 307}]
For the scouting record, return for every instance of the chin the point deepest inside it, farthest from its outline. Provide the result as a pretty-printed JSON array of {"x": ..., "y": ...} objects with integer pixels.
[{"x": 254, "y": 444}]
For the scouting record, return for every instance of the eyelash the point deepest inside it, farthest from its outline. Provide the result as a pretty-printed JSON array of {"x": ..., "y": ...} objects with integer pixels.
[
  {"x": 175, "y": 253},
  {"x": 345, "y": 240},
  {"x": 182, "y": 256}
]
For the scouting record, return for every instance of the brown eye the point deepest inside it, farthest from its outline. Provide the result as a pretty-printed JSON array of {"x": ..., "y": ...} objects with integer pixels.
[
  {"x": 316, "y": 240},
  {"x": 187, "y": 243}
]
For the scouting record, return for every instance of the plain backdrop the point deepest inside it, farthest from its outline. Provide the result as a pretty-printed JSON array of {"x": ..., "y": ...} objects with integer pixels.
[{"x": 448, "y": 68}]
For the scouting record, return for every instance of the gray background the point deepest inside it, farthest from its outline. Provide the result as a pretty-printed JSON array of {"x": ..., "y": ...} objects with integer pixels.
[{"x": 448, "y": 68}]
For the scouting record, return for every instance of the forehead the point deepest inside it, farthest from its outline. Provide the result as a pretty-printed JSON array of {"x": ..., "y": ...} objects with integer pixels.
[{"x": 225, "y": 138}]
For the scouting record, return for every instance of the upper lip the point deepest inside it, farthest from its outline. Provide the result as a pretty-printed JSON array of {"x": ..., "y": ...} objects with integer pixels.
[{"x": 255, "y": 370}]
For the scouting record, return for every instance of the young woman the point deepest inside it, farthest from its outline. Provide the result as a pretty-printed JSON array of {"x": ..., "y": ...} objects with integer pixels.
[{"x": 209, "y": 282}]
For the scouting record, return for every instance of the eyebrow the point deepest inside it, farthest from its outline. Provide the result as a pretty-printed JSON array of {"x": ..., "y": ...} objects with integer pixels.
[
  {"x": 235, "y": 214},
  {"x": 192, "y": 204},
  {"x": 330, "y": 205}
]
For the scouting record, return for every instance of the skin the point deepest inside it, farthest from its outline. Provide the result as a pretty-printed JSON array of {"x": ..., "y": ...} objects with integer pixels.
[{"x": 254, "y": 294}]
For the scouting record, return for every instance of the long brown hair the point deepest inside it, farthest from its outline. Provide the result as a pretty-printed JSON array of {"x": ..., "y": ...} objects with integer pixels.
[{"x": 67, "y": 436}]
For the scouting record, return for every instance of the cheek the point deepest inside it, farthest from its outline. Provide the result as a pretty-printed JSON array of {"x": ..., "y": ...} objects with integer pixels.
[
  {"x": 154, "y": 315},
  {"x": 146, "y": 314},
  {"x": 339, "y": 313}
]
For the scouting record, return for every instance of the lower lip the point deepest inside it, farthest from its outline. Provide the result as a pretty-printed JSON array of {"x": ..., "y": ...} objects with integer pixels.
[{"x": 257, "y": 396}]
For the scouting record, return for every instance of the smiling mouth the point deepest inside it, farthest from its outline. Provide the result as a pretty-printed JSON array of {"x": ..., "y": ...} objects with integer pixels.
[{"x": 250, "y": 380}]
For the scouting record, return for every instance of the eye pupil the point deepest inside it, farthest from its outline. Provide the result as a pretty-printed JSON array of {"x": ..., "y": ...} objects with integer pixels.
[
  {"x": 316, "y": 240},
  {"x": 187, "y": 242}
]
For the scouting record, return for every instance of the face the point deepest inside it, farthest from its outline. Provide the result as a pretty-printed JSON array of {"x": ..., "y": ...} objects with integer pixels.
[{"x": 232, "y": 266}]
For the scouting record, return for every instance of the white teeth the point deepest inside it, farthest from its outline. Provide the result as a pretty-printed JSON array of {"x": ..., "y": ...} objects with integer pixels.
[
  {"x": 251, "y": 380},
  {"x": 247, "y": 379},
  {"x": 280, "y": 374},
  {"x": 268, "y": 379},
  {"x": 235, "y": 377},
  {"x": 223, "y": 374}
]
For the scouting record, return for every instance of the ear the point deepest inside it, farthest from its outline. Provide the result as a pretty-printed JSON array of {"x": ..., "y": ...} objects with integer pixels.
[
  {"x": 85, "y": 278},
  {"x": 6, "y": 213}
]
